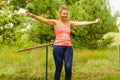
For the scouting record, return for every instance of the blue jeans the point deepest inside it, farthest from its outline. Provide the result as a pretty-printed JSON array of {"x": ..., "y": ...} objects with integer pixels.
[{"x": 63, "y": 53}]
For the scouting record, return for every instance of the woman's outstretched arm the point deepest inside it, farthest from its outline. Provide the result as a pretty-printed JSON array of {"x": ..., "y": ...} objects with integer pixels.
[
  {"x": 42, "y": 19},
  {"x": 84, "y": 23}
]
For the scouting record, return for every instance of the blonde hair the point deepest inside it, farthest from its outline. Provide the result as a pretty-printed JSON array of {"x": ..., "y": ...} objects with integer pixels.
[{"x": 63, "y": 7}]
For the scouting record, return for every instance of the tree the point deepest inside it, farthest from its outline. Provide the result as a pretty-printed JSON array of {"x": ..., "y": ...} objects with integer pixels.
[
  {"x": 11, "y": 21},
  {"x": 90, "y": 10}
]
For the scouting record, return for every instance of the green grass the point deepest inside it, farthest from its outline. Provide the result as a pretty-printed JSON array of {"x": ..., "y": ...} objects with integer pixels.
[
  {"x": 110, "y": 77},
  {"x": 30, "y": 65}
]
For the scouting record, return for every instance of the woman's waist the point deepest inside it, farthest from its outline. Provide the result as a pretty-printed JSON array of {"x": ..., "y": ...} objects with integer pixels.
[
  {"x": 64, "y": 42},
  {"x": 62, "y": 37}
]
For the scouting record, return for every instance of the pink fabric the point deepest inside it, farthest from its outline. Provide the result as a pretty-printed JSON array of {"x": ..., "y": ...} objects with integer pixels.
[{"x": 62, "y": 35}]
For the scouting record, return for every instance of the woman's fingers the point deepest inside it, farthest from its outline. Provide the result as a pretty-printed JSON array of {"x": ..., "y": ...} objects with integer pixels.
[{"x": 28, "y": 14}]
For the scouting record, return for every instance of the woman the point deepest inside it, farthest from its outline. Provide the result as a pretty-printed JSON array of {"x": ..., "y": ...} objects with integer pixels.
[{"x": 62, "y": 47}]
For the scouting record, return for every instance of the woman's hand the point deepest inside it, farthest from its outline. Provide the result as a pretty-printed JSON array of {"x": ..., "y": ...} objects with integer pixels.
[
  {"x": 29, "y": 14},
  {"x": 97, "y": 20}
]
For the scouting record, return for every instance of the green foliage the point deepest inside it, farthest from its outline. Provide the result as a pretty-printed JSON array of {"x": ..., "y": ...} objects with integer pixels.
[
  {"x": 11, "y": 23},
  {"x": 41, "y": 33},
  {"x": 105, "y": 42},
  {"x": 88, "y": 36},
  {"x": 19, "y": 3},
  {"x": 6, "y": 26},
  {"x": 44, "y": 7}
]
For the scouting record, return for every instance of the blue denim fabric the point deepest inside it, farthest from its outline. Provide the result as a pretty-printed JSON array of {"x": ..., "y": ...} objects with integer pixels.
[{"x": 63, "y": 53}]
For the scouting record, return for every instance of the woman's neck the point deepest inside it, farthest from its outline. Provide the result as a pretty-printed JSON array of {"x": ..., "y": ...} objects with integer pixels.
[{"x": 62, "y": 20}]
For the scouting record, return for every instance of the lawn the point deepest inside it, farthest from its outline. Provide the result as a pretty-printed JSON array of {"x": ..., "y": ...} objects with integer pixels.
[{"x": 87, "y": 64}]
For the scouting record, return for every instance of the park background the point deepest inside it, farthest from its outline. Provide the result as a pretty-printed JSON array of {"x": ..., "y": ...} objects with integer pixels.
[{"x": 96, "y": 47}]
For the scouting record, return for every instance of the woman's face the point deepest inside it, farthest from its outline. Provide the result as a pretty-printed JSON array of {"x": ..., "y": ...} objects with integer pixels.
[{"x": 64, "y": 14}]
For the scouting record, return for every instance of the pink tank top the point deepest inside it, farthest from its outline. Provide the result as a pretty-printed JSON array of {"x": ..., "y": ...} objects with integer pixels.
[{"x": 62, "y": 33}]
